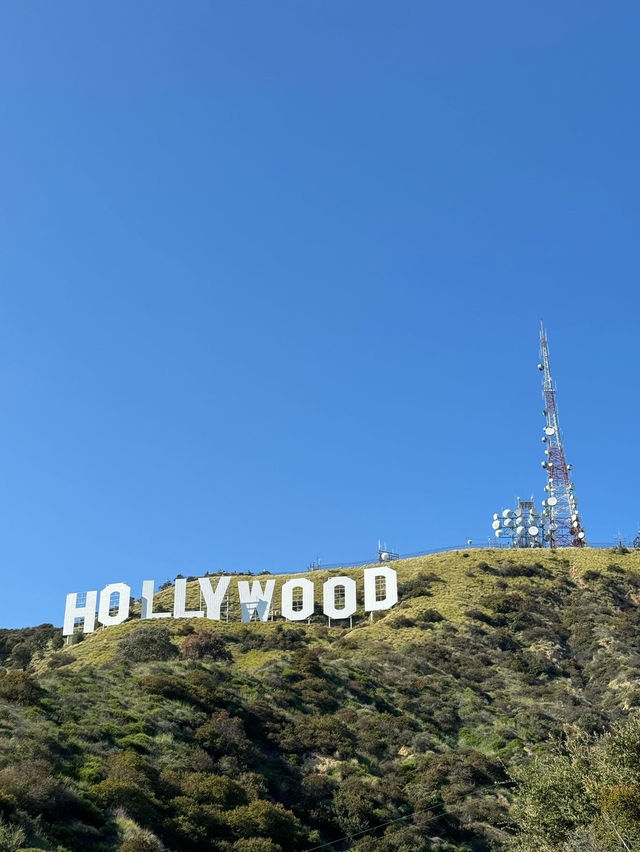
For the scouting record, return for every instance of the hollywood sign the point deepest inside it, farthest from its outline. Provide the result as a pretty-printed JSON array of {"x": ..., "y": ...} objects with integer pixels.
[{"x": 297, "y": 599}]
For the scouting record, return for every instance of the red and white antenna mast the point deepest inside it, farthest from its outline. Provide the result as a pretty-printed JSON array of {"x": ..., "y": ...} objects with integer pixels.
[{"x": 562, "y": 524}]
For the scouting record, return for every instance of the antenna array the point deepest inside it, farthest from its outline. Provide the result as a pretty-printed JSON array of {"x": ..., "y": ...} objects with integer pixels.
[
  {"x": 560, "y": 508},
  {"x": 559, "y": 523}
]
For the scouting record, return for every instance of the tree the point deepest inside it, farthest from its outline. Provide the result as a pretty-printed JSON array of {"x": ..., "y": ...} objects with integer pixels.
[
  {"x": 587, "y": 792},
  {"x": 21, "y": 655}
]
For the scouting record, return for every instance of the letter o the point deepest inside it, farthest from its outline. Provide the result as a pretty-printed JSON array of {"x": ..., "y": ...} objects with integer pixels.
[
  {"x": 308, "y": 602},
  {"x": 124, "y": 597},
  {"x": 329, "y": 597}
]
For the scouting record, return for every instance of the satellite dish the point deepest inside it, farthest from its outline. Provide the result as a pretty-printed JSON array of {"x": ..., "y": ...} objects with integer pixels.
[
  {"x": 544, "y": 502},
  {"x": 508, "y": 522},
  {"x": 540, "y": 367},
  {"x": 533, "y": 531},
  {"x": 549, "y": 430},
  {"x": 384, "y": 557},
  {"x": 498, "y": 533},
  {"x": 552, "y": 501},
  {"x": 580, "y": 535},
  {"x": 506, "y": 513},
  {"x": 517, "y": 513},
  {"x": 496, "y": 525},
  {"x": 496, "y": 516},
  {"x": 521, "y": 530}
]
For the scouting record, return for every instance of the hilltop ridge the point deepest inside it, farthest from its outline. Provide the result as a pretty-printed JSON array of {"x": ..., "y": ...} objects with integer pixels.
[{"x": 454, "y": 585}]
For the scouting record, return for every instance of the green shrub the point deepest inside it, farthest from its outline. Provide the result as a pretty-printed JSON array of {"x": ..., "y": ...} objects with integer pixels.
[
  {"x": 282, "y": 638},
  {"x": 201, "y": 687},
  {"x": 31, "y": 640},
  {"x": 355, "y": 804},
  {"x": 147, "y": 643},
  {"x": 35, "y": 789},
  {"x": 138, "y": 802},
  {"x": 21, "y": 655},
  {"x": 184, "y": 629},
  {"x": 429, "y": 616},
  {"x": 222, "y": 735},
  {"x": 12, "y": 837},
  {"x": 591, "y": 575},
  {"x": 143, "y": 842},
  {"x": 209, "y": 789},
  {"x": 516, "y": 569},
  {"x": 168, "y": 686},
  {"x": 56, "y": 661},
  {"x": 322, "y": 734},
  {"x": 20, "y": 687},
  {"x": 479, "y": 615},
  {"x": 418, "y": 586},
  {"x": 255, "y": 844},
  {"x": 403, "y": 621},
  {"x": 273, "y": 822},
  {"x": 205, "y": 643}
]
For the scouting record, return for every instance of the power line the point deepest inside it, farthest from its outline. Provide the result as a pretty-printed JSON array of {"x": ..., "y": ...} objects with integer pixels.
[
  {"x": 406, "y": 816},
  {"x": 613, "y": 826}
]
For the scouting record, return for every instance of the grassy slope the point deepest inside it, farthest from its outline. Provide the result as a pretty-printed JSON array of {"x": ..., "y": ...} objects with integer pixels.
[
  {"x": 461, "y": 589},
  {"x": 392, "y": 717}
]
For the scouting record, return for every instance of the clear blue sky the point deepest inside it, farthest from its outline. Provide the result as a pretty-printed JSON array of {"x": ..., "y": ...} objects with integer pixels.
[{"x": 272, "y": 273}]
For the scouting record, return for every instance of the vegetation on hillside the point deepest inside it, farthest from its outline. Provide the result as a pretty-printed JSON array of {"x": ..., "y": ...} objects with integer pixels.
[{"x": 471, "y": 716}]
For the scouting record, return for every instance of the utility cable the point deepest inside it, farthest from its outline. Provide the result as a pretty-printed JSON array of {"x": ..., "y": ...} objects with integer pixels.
[
  {"x": 613, "y": 826},
  {"x": 406, "y": 816}
]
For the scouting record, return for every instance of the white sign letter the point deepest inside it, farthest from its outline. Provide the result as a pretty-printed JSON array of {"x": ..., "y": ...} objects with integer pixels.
[
  {"x": 180, "y": 602},
  {"x": 255, "y": 600},
  {"x": 73, "y": 611},
  {"x": 147, "y": 602},
  {"x": 307, "y": 602},
  {"x": 213, "y": 599},
  {"x": 329, "y": 597},
  {"x": 124, "y": 598},
  {"x": 380, "y": 595}
]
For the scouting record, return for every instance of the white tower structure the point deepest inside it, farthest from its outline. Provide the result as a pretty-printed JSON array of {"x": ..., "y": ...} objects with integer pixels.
[{"x": 561, "y": 520}]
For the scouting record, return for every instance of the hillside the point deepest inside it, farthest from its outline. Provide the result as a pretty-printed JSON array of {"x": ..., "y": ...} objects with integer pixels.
[{"x": 406, "y": 733}]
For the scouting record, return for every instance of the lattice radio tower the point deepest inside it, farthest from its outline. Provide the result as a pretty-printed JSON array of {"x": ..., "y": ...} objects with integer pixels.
[{"x": 563, "y": 527}]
